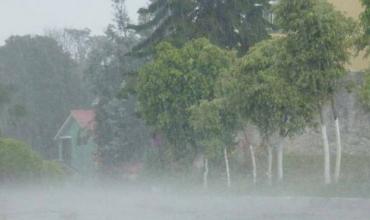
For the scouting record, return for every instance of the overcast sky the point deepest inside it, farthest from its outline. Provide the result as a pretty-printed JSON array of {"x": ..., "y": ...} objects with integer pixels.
[{"x": 19, "y": 17}]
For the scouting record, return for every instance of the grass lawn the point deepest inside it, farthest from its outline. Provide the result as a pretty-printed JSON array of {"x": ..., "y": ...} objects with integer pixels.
[{"x": 303, "y": 176}]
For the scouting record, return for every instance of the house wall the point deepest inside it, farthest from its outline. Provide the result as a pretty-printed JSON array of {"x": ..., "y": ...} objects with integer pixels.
[
  {"x": 82, "y": 155},
  {"x": 353, "y": 8}
]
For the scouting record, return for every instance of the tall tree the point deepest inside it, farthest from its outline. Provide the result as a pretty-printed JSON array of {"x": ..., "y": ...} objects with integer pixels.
[
  {"x": 234, "y": 24},
  {"x": 121, "y": 135},
  {"x": 216, "y": 125},
  {"x": 262, "y": 92},
  {"x": 318, "y": 39},
  {"x": 364, "y": 40},
  {"x": 176, "y": 80},
  {"x": 76, "y": 42},
  {"x": 44, "y": 88},
  {"x": 365, "y": 43}
]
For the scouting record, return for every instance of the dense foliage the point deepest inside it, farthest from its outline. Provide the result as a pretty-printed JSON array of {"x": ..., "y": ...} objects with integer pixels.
[
  {"x": 263, "y": 93},
  {"x": 365, "y": 44},
  {"x": 365, "y": 22},
  {"x": 18, "y": 162},
  {"x": 216, "y": 125},
  {"x": 120, "y": 134},
  {"x": 234, "y": 24},
  {"x": 318, "y": 38},
  {"x": 176, "y": 80},
  {"x": 43, "y": 89}
]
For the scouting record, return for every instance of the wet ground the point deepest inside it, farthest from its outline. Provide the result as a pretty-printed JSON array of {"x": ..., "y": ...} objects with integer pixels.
[{"x": 108, "y": 204}]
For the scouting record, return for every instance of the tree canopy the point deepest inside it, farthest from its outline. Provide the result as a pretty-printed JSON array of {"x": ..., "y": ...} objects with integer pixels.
[
  {"x": 216, "y": 125},
  {"x": 44, "y": 87},
  {"x": 262, "y": 92},
  {"x": 364, "y": 41},
  {"x": 176, "y": 80},
  {"x": 318, "y": 38},
  {"x": 121, "y": 135},
  {"x": 236, "y": 24}
]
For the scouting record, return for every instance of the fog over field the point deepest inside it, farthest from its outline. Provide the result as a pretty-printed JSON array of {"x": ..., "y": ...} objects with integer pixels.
[{"x": 100, "y": 203}]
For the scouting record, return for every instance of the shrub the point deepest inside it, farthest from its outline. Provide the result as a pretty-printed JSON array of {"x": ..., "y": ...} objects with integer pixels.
[{"x": 19, "y": 163}]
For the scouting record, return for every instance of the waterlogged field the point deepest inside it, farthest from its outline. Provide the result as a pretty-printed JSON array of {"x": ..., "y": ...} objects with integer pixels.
[{"x": 117, "y": 204}]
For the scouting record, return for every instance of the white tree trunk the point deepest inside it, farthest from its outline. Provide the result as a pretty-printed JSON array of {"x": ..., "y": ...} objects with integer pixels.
[
  {"x": 269, "y": 165},
  {"x": 280, "y": 161},
  {"x": 339, "y": 151},
  {"x": 205, "y": 174},
  {"x": 227, "y": 167},
  {"x": 60, "y": 152},
  {"x": 326, "y": 154},
  {"x": 254, "y": 164}
]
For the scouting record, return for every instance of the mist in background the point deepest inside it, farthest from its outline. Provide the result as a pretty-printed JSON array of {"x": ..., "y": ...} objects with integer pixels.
[{"x": 20, "y": 17}]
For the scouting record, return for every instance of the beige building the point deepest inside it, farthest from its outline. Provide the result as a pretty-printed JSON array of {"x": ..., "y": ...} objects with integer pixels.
[{"x": 353, "y": 8}]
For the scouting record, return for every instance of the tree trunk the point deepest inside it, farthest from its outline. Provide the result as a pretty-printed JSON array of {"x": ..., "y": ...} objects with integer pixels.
[
  {"x": 205, "y": 174},
  {"x": 280, "y": 160},
  {"x": 327, "y": 175},
  {"x": 339, "y": 143},
  {"x": 227, "y": 167},
  {"x": 339, "y": 151},
  {"x": 269, "y": 165},
  {"x": 254, "y": 164}
]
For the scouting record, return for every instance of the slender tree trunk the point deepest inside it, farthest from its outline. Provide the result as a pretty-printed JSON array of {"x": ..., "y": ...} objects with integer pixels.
[
  {"x": 269, "y": 165},
  {"x": 339, "y": 144},
  {"x": 253, "y": 156},
  {"x": 280, "y": 161},
  {"x": 254, "y": 164},
  {"x": 227, "y": 167},
  {"x": 60, "y": 151},
  {"x": 327, "y": 175},
  {"x": 339, "y": 152},
  {"x": 205, "y": 174}
]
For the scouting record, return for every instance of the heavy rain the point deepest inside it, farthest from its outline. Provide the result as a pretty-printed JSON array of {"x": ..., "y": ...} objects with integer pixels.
[{"x": 184, "y": 109}]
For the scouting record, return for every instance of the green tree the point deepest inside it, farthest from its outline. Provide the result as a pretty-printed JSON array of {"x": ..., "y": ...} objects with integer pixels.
[
  {"x": 262, "y": 92},
  {"x": 76, "y": 42},
  {"x": 318, "y": 38},
  {"x": 236, "y": 24},
  {"x": 364, "y": 40},
  {"x": 43, "y": 86},
  {"x": 216, "y": 126},
  {"x": 176, "y": 80},
  {"x": 121, "y": 135}
]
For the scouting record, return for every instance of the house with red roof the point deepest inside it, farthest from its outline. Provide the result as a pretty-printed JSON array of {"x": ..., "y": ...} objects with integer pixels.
[{"x": 75, "y": 142}]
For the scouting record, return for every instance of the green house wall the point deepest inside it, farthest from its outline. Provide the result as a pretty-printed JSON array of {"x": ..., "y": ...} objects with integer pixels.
[{"x": 82, "y": 155}]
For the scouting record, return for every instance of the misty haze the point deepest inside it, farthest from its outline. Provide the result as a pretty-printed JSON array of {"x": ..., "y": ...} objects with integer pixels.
[{"x": 184, "y": 109}]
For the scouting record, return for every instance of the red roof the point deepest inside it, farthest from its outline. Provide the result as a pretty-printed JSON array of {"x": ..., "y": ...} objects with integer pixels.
[{"x": 85, "y": 118}]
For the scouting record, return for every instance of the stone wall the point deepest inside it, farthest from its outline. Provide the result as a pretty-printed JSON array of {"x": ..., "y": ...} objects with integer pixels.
[{"x": 355, "y": 125}]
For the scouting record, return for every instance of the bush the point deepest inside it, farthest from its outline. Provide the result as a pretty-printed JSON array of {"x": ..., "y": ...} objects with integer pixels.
[{"x": 19, "y": 163}]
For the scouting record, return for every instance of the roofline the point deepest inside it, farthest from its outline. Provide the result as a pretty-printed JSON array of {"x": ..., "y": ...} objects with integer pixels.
[{"x": 61, "y": 128}]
